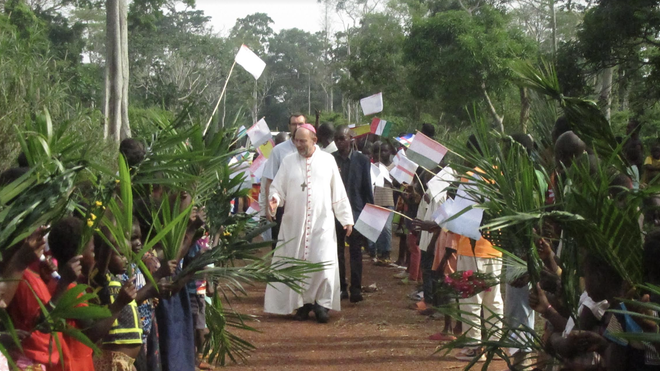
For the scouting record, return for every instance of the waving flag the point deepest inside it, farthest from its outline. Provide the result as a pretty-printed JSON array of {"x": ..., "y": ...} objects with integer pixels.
[
  {"x": 360, "y": 131},
  {"x": 406, "y": 140},
  {"x": 425, "y": 151},
  {"x": 404, "y": 171},
  {"x": 250, "y": 61},
  {"x": 266, "y": 148},
  {"x": 371, "y": 221},
  {"x": 242, "y": 131},
  {"x": 259, "y": 133},
  {"x": 372, "y": 104},
  {"x": 380, "y": 127},
  {"x": 257, "y": 167},
  {"x": 401, "y": 153}
]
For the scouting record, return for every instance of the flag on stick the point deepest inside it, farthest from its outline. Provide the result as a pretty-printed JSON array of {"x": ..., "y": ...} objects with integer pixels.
[
  {"x": 242, "y": 131},
  {"x": 257, "y": 167},
  {"x": 467, "y": 217},
  {"x": 406, "y": 140},
  {"x": 401, "y": 153},
  {"x": 266, "y": 148},
  {"x": 380, "y": 127},
  {"x": 371, "y": 221},
  {"x": 372, "y": 104},
  {"x": 250, "y": 61},
  {"x": 404, "y": 171},
  {"x": 360, "y": 131},
  {"x": 425, "y": 151},
  {"x": 259, "y": 133}
]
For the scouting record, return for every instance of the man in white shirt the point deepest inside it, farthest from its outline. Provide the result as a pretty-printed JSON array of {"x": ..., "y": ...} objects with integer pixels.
[{"x": 273, "y": 166}]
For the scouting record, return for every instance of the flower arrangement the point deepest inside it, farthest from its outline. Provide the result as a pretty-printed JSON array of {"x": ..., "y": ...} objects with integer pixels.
[{"x": 464, "y": 284}]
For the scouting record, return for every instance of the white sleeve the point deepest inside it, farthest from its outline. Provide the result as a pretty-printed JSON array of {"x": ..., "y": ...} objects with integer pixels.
[
  {"x": 272, "y": 165},
  {"x": 278, "y": 186}
]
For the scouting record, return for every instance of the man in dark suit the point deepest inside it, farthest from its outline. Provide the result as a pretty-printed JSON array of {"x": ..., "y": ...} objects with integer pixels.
[{"x": 355, "y": 169}]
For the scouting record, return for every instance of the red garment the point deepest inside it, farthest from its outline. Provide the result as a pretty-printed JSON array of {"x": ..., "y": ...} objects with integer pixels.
[
  {"x": 25, "y": 312},
  {"x": 80, "y": 357},
  {"x": 414, "y": 271}
]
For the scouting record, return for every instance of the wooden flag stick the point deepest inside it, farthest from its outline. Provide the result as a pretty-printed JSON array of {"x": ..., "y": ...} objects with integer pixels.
[
  {"x": 392, "y": 211},
  {"x": 420, "y": 182},
  {"x": 220, "y": 99},
  {"x": 427, "y": 170}
]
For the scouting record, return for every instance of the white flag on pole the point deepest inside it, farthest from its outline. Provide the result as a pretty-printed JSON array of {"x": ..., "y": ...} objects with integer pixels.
[
  {"x": 372, "y": 104},
  {"x": 371, "y": 221},
  {"x": 259, "y": 133},
  {"x": 250, "y": 61},
  {"x": 468, "y": 223},
  {"x": 404, "y": 171}
]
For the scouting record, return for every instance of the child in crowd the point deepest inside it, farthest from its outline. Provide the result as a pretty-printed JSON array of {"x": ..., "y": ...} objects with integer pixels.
[
  {"x": 122, "y": 344},
  {"x": 384, "y": 197}
]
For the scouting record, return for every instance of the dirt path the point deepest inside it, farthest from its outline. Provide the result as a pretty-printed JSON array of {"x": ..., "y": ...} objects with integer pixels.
[{"x": 380, "y": 333}]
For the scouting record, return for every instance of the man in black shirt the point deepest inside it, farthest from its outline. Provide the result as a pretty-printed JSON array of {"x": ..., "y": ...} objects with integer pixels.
[{"x": 355, "y": 170}]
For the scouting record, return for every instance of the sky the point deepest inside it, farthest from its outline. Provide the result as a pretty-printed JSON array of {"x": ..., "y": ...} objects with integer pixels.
[{"x": 302, "y": 14}]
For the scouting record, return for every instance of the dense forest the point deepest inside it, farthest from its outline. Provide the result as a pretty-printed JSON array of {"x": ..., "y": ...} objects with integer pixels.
[{"x": 435, "y": 61}]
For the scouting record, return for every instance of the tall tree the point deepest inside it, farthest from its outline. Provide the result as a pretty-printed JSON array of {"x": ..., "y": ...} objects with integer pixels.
[
  {"x": 461, "y": 56},
  {"x": 117, "y": 72}
]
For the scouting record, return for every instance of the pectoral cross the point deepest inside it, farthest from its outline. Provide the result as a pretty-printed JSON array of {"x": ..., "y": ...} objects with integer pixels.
[{"x": 303, "y": 185}]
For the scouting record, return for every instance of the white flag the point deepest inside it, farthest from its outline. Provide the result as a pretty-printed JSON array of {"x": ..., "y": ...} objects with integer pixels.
[
  {"x": 371, "y": 221},
  {"x": 404, "y": 171},
  {"x": 250, "y": 61},
  {"x": 372, "y": 104},
  {"x": 259, "y": 133},
  {"x": 468, "y": 223}
]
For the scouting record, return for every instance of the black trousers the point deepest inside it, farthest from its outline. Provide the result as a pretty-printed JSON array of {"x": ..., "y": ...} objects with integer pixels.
[
  {"x": 355, "y": 250},
  {"x": 275, "y": 231}
]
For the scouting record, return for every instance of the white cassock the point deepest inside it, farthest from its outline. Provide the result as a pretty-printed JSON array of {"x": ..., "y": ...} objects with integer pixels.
[{"x": 314, "y": 195}]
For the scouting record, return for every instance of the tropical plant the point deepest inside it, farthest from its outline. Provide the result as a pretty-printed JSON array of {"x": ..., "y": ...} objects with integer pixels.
[{"x": 595, "y": 216}]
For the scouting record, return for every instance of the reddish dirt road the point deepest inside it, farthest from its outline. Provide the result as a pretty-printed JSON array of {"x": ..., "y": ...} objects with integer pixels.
[{"x": 380, "y": 333}]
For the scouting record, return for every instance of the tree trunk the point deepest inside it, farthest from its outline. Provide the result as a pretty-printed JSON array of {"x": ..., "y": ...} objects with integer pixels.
[
  {"x": 525, "y": 106},
  {"x": 116, "y": 72},
  {"x": 553, "y": 25},
  {"x": 224, "y": 110},
  {"x": 605, "y": 96},
  {"x": 332, "y": 98},
  {"x": 309, "y": 94},
  {"x": 623, "y": 83},
  {"x": 254, "y": 108},
  {"x": 123, "y": 29},
  {"x": 498, "y": 120}
]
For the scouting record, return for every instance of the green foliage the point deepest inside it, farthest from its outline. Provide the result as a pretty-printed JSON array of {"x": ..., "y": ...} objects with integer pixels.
[{"x": 455, "y": 55}]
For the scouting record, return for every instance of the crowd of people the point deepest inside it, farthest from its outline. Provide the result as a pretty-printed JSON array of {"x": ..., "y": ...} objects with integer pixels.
[
  {"x": 149, "y": 327},
  {"x": 315, "y": 184},
  {"x": 430, "y": 253}
]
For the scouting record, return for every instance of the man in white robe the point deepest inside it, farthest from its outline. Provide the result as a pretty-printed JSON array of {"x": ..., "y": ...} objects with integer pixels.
[{"x": 310, "y": 185}]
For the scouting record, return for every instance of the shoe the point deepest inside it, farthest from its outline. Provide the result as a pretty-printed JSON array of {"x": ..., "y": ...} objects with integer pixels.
[
  {"x": 382, "y": 263},
  {"x": 343, "y": 295},
  {"x": 401, "y": 275},
  {"x": 302, "y": 314},
  {"x": 321, "y": 314},
  {"x": 416, "y": 296},
  {"x": 204, "y": 366},
  {"x": 469, "y": 354},
  {"x": 356, "y": 296}
]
